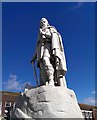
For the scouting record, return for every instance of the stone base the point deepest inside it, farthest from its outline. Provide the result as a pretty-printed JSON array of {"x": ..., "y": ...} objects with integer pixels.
[{"x": 48, "y": 102}]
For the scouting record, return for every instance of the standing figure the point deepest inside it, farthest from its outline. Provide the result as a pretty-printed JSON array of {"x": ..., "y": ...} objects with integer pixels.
[{"x": 50, "y": 56}]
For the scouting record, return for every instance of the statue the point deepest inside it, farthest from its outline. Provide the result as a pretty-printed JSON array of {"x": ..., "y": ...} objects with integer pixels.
[
  {"x": 50, "y": 56},
  {"x": 48, "y": 101}
]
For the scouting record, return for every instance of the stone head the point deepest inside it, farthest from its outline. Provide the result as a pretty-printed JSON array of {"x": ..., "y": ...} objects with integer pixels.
[{"x": 43, "y": 23}]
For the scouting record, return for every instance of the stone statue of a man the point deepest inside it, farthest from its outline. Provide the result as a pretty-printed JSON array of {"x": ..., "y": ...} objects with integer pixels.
[{"x": 50, "y": 55}]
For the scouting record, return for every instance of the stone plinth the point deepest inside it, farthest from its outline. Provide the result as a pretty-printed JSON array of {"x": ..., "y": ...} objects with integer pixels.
[{"x": 48, "y": 102}]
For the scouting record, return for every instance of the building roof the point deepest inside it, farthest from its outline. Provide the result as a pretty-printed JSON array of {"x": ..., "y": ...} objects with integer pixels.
[
  {"x": 9, "y": 93},
  {"x": 87, "y": 107}
]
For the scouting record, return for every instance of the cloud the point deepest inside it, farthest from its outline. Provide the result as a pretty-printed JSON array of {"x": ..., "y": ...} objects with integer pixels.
[
  {"x": 77, "y": 6},
  {"x": 94, "y": 92},
  {"x": 79, "y": 3},
  {"x": 13, "y": 83},
  {"x": 90, "y": 100}
]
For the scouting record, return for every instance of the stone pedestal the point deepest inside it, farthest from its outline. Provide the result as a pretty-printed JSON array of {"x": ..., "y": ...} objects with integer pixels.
[{"x": 48, "y": 102}]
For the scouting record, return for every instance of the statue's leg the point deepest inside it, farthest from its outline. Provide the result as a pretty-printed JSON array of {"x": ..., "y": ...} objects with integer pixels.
[
  {"x": 64, "y": 79},
  {"x": 61, "y": 79},
  {"x": 49, "y": 70}
]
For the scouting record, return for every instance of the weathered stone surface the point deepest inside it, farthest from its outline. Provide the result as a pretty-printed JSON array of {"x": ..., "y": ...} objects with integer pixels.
[{"x": 48, "y": 102}]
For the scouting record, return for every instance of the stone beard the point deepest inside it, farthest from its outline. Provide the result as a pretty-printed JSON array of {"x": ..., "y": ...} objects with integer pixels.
[{"x": 50, "y": 56}]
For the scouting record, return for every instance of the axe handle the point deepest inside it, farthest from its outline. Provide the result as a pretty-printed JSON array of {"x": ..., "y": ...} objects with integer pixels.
[{"x": 35, "y": 74}]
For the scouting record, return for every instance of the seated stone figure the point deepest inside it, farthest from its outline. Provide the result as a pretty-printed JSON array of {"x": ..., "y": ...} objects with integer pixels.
[{"x": 50, "y": 56}]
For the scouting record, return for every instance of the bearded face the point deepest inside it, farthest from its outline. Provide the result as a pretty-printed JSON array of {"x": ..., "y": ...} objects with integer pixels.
[{"x": 43, "y": 23}]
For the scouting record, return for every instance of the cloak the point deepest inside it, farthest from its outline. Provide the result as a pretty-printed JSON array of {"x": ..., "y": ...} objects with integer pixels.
[{"x": 57, "y": 49}]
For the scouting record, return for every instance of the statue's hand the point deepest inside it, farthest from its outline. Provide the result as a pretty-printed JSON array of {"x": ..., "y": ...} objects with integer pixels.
[
  {"x": 42, "y": 32},
  {"x": 32, "y": 61}
]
